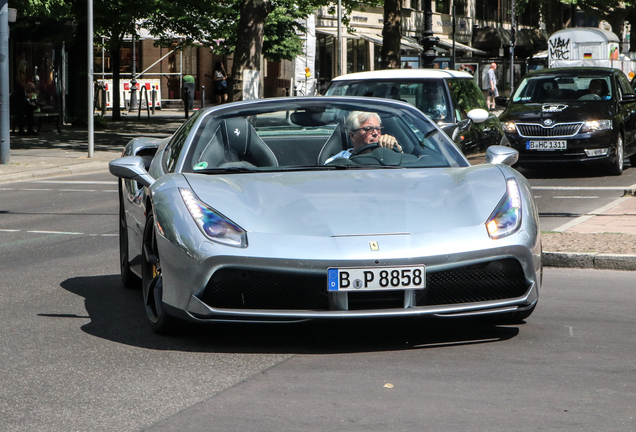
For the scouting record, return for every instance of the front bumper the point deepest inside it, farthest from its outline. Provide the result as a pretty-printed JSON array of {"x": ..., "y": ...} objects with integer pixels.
[
  {"x": 575, "y": 152},
  {"x": 505, "y": 279}
]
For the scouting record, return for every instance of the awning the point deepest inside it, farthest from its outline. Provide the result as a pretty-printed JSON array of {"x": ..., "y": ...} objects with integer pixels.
[
  {"x": 448, "y": 43},
  {"x": 406, "y": 43},
  {"x": 533, "y": 39},
  {"x": 334, "y": 32},
  {"x": 495, "y": 38}
]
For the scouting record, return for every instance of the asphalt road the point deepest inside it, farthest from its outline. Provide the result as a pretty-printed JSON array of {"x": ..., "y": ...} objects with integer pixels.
[
  {"x": 78, "y": 354},
  {"x": 563, "y": 194}
]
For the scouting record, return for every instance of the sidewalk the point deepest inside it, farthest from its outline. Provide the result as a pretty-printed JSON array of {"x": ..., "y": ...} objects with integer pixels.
[
  {"x": 51, "y": 154},
  {"x": 590, "y": 241}
]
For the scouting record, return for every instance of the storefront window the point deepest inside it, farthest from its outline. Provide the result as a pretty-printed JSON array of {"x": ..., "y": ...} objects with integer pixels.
[
  {"x": 39, "y": 64},
  {"x": 356, "y": 55}
]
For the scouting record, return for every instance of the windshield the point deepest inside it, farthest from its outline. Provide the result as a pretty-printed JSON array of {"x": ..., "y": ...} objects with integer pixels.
[
  {"x": 323, "y": 137},
  {"x": 429, "y": 96},
  {"x": 559, "y": 88}
]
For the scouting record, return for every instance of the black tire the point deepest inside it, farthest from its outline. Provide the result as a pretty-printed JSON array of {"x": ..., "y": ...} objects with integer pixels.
[
  {"x": 152, "y": 281},
  {"x": 130, "y": 280},
  {"x": 617, "y": 166}
]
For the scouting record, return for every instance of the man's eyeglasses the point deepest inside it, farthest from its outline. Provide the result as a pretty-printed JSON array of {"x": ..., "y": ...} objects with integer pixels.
[{"x": 369, "y": 129}]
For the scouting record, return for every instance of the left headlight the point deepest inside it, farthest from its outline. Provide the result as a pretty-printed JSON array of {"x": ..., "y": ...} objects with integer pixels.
[
  {"x": 596, "y": 125},
  {"x": 214, "y": 225},
  {"x": 506, "y": 218},
  {"x": 509, "y": 126}
]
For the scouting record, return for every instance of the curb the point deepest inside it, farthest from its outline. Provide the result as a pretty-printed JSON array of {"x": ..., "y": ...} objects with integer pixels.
[
  {"x": 589, "y": 260},
  {"x": 81, "y": 168}
]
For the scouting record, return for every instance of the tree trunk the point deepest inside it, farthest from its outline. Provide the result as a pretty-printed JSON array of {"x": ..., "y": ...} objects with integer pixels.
[
  {"x": 552, "y": 14},
  {"x": 617, "y": 20},
  {"x": 248, "y": 54},
  {"x": 391, "y": 35},
  {"x": 631, "y": 17}
]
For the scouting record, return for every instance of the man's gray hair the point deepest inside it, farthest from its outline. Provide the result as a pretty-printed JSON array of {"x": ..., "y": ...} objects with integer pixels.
[{"x": 356, "y": 118}]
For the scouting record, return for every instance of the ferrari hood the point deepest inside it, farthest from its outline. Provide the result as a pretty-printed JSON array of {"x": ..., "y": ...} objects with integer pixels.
[{"x": 354, "y": 202}]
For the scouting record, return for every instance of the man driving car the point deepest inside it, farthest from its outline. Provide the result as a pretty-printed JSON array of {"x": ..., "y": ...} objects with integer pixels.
[{"x": 365, "y": 133}]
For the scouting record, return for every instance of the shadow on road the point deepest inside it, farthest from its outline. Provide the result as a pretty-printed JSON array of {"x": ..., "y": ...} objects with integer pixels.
[{"x": 117, "y": 314}]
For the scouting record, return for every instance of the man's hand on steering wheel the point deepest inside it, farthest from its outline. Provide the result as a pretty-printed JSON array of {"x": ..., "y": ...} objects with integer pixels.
[{"x": 390, "y": 142}]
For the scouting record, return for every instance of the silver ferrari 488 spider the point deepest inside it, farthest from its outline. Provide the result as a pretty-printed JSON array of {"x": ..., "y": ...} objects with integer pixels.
[{"x": 323, "y": 207}]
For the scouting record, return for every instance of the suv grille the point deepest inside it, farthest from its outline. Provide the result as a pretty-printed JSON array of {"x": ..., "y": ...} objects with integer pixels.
[
  {"x": 558, "y": 130},
  {"x": 237, "y": 288}
]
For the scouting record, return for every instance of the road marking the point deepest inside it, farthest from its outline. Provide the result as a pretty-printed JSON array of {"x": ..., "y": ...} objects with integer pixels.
[
  {"x": 621, "y": 188},
  {"x": 77, "y": 190},
  {"x": 579, "y": 220},
  {"x": 59, "y": 232},
  {"x": 75, "y": 182},
  {"x": 575, "y": 196},
  {"x": 55, "y": 232},
  {"x": 35, "y": 189}
]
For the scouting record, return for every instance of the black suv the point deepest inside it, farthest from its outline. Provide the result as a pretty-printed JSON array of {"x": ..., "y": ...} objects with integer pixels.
[
  {"x": 584, "y": 115},
  {"x": 450, "y": 98}
]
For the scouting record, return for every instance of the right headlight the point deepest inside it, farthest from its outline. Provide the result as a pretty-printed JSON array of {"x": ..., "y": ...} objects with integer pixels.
[
  {"x": 596, "y": 125},
  {"x": 506, "y": 218},
  {"x": 214, "y": 225}
]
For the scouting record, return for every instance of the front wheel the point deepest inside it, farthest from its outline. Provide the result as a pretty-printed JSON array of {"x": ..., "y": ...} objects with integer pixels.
[
  {"x": 152, "y": 281},
  {"x": 617, "y": 167},
  {"x": 130, "y": 280}
]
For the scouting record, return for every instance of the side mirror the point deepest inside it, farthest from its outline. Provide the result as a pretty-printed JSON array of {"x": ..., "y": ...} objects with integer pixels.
[
  {"x": 131, "y": 168},
  {"x": 629, "y": 97},
  {"x": 501, "y": 155},
  {"x": 478, "y": 115},
  {"x": 502, "y": 101}
]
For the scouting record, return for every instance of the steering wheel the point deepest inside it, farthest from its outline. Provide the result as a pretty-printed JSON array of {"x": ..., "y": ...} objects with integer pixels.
[
  {"x": 373, "y": 146},
  {"x": 365, "y": 148}
]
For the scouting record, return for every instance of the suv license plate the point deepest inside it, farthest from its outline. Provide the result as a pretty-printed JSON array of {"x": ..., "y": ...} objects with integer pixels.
[
  {"x": 376, "y": 278},
  {"x": 546, "y": 145}
]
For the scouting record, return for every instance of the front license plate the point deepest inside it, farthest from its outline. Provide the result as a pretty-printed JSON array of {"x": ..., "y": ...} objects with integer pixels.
[
  {"x": 376, "y": 278},
  {"x": 546, "y": 145}
]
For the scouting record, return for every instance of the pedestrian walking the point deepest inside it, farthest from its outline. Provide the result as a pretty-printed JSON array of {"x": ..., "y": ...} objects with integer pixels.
[
  {"x": 220, "y": 83},
  {"x": 492, "y": 87}
]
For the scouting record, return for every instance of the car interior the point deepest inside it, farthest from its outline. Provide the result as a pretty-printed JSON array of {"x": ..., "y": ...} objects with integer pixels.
[{"x": 302, "y": 138}]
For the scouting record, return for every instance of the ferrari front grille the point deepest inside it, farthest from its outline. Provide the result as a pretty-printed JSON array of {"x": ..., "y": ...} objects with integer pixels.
[
  {"x": 235, "y": 288},
  {"x": 496, "y": 280},
  {"x": 540, "y": 131}
]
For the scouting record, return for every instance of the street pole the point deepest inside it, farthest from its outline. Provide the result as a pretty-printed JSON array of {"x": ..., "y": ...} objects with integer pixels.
[
  {"x": 133, "y": 81},
  {"x": 429, "y": 40},
  {"x": 512, "y": 47},
  {"x": 5, "y": 110},
  {"x": 453, "y": 61},
  {"x": 338, "y": 47},
  {"x": 91, "y": 110}
]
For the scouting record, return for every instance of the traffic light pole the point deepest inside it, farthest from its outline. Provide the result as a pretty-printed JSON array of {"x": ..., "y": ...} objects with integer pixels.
[
  {"x": 513, "y": 42},
  {"x": 429, "y": 41},
  {"x": 5, "y": 123}
]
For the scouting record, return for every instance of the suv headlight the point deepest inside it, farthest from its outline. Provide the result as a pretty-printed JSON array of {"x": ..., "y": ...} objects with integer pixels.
[
  {"x": 214, "y": 225},
  {"x": 509, "y": 126},
  {"x": 596, "y": 125},
  {"x": 506, "y": 218}
]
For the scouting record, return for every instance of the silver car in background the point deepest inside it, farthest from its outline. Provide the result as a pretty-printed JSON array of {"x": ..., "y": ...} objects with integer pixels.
[{"x": 245, "y": 214}]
